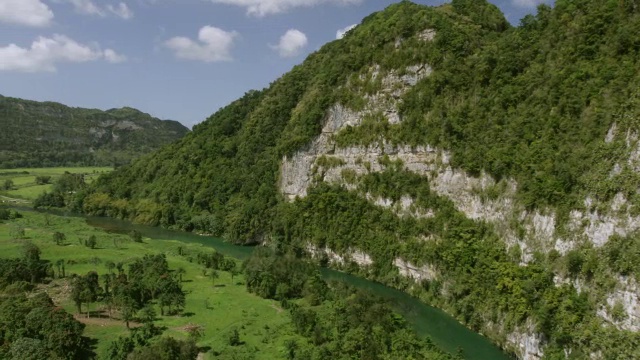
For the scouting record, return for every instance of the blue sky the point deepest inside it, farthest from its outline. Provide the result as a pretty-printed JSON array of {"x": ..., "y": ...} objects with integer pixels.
[{"x": 174, "y": 59}]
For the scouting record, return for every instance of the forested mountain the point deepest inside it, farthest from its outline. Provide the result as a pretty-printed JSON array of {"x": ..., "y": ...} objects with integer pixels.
[
  {"x": 44, "y": 134},
  {"x": 487, "y": 169}
]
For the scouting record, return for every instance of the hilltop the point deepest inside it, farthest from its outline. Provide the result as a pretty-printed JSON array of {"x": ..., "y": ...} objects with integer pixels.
[
  {"x": 487, "y": 169},
  {"x": 46, "y": 134}
]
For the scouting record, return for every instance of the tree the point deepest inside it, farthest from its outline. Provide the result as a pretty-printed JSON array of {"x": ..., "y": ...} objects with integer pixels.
[
  {"x": 86, "y": 289},
  {"x": 8, "y": 184},
  {"x": 126, "y": 304},
  {"x": 59, "y": 238},
  {"x": 28, "y": 349},
  {"x": 60, "y": 267},
  {"x": 147, "y": 315},
  {"x": 195, "y": 331},
  {"x": 43, "y": 179},
  {"x": 213, "y": 275},
  {"x": 234, "y": 272},
  {"x": 166, "y": 348},
  {"x": 233, "y": 337},
  {"x": 110, "y": 266},
  {"x": 17, "y": 232},
  {"x": 35, "y": 267},
  {"x": 91, "y": 242},
  {"x": 180, "y": 271},
  {"x": 136, "y": 236}
]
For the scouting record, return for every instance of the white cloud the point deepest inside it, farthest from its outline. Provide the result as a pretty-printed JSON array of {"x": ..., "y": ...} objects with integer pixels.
[
  {"x": 342, "y": 32},
  {"x": 121, "y": 10},
  {"x": 268, "y": 7},
  {"x": 113, "y": 57},
  {"x": 214, "y": 45},
  {"x": 25, "y": 12},
  {"x": 87, "y": 7},
  {"x": 291, "y": 43},
  {"x": 45, "y": 53},
  {"x": 528, "y": 3}
]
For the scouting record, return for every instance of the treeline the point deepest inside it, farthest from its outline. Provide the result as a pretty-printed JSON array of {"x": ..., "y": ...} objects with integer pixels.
[
  {"x": 66, "y": 189},
  {"x": 147, "y": 283},
  {"x": 335, "y": 320}
]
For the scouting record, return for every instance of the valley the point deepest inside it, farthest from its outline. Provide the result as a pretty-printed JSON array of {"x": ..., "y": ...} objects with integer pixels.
[{"x": 455, "y": 173}]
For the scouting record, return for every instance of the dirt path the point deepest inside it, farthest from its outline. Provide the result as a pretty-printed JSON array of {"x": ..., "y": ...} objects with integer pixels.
[{"x": 277, "y": 308}]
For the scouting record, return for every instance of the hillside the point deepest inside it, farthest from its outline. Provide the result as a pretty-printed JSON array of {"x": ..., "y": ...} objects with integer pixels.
[
  {"x": 45, "y": 134},
  {"x": 490, "y": 170}
]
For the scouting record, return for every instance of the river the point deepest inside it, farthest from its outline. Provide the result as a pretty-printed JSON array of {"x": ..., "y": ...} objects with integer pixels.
[{"x": 426, "y": 320}]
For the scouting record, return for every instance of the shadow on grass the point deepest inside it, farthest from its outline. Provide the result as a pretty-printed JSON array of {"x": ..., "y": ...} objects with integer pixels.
[{"x": 89, "y": 346}]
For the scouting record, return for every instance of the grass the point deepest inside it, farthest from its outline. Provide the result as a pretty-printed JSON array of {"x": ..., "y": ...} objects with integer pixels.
[
  {"x": 219, "y": 307},
  {"x": 24, "y": 180}
]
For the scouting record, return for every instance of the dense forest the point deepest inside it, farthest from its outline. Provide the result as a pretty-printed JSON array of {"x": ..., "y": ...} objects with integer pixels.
[
  {"x": 45, "y": 134},
  {"x": 550, "y": 105}
]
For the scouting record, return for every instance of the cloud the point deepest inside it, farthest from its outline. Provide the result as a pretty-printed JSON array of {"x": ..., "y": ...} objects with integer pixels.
[
  {"x": 528, "y": 3},
  {"x": 121, "y": 10},
  {"x": 342, "y": 32},
  {"x": 88, "y": 7},
  {"x": 267, "y": 7},
  {"x": 113, "y": 57},
  {"x": 25, "y": 12},
  {"x": 45, "y": 53},
  {"x": 291, "y": 43},
  {"x": 213, "y": 45}
]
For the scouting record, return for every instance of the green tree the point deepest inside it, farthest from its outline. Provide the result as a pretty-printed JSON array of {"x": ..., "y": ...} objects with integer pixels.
[
  {"x": 213, "y": 275},
  {"x": 180, "y": 271},
  {"x": 59, "y": 238},
  {"x": 233, "y": 337},
  {"x": 8, "y": 184},
  {"x": 136, "y": 236},
  {"x": 91, "y": 242}
]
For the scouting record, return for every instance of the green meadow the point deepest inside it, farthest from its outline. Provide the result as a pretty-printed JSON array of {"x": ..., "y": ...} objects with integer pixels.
[
  {"x": 219, "y": 307},
  {"x": 25, "y": 186}
]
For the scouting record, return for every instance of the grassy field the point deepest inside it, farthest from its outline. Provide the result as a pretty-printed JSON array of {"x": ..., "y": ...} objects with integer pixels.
[
  {"x": 24, "y": 180},
  {"x": 219, "y": 307}
]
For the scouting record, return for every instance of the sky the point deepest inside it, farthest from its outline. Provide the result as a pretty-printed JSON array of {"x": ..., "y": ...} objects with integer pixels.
[{"x": 174, "y": 59}]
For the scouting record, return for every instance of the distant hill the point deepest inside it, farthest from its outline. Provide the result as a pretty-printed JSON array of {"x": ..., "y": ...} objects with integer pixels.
[{"x": 43, "y": 134}]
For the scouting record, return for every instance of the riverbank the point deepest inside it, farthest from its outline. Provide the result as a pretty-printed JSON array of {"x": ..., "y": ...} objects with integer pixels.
[{"x": 427, "y": 321}]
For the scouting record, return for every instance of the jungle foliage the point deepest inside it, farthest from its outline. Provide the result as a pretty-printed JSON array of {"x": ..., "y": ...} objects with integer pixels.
[
  {"x": 336, "y": 321},
  {"x": 47, "y": 134},
  {"x": 532, "y": 103}
]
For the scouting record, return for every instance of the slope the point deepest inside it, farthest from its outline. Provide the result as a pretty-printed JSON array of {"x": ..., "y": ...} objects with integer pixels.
[
  {"x": 45, "y": 134},
  {"x": 489, "y": 170}
]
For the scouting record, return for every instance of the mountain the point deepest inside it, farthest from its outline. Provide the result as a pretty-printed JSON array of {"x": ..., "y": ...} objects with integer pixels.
[
  {"x": 44, "y": 134},
  {"x": 490, "y": 170}
]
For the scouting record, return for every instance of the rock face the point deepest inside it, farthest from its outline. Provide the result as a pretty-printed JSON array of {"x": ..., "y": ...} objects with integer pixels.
[
  {"x": 627, "y": 298},
  {"x": 528, "y": 344},
  {"x": 417, "y": 273},
  {"x": 534, "y": 230}
]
